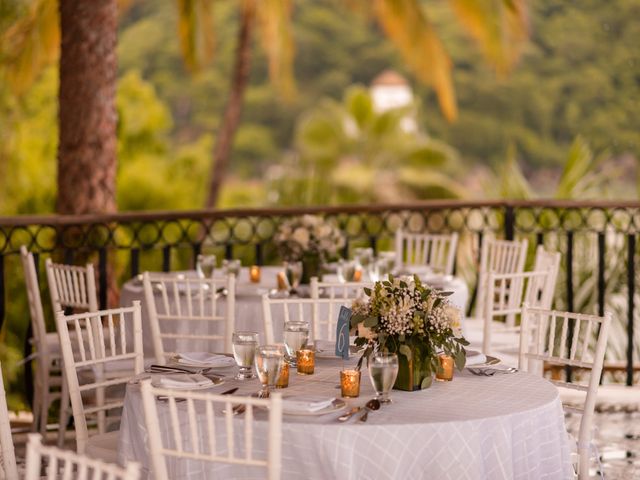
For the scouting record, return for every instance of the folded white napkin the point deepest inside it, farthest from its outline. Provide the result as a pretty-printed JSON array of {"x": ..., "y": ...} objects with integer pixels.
[
  {"x": 306, "y": 403},
  {"x": 183, "y": 381},
  {"x": 475, "y": 358},
  {"x": 205, "y": 359}
]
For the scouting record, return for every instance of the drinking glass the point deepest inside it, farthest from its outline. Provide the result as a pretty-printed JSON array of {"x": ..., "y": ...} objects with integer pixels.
[
  {"x": 385, "y": 266},
  {"x": 244, "y": 349},
  {"x": 383, "y": 370},
  {"x": 293, "y": 271},
  {"x": 269, "y": 360},
  {"x": 363, "y": 258},
  {"x": 346, "y": 270},
  {"x": 296, "y": 335},
  {"x": 205, "y": 264},
  {"x": 231, "y": 266}
]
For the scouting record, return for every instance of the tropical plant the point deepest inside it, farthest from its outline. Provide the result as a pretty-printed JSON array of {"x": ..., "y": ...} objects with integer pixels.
[{"x": 348, "y": 152}]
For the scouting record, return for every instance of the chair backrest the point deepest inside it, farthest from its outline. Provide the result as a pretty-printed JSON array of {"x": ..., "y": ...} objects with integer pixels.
[
  {"x": 99, "y": 338},
  {"x": 437, "y": 251},
  {"x": 66, "y": 464},
  {"x": 72, "y": 286},
  {"x": 35, "y": 301},
  {"x": 330, "y": 297},
  {"x": 498, "y": 256},
  {"x": 284, "y": 310},
  {"x": 8, "y": 460},
  {"x": 568, "y": 339},
  {"x": 506, "y": 292},
  {"x": 189, "y": 310},
  {"x": 202, "y": 427},
  {"x": 547, "y": 261}
]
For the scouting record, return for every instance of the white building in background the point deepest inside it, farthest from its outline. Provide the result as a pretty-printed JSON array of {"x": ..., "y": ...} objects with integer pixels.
[{"x": 391, "y": 90}]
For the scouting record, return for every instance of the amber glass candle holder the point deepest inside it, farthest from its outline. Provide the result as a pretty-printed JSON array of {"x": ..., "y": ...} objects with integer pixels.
[
  {"x": 350, "y": 383},
  {"x": 254, "y": 273},
  {"x": 306, "y": 361},
  {"x": 446, "y": 362},
  {"x": 283, "y": 379}
]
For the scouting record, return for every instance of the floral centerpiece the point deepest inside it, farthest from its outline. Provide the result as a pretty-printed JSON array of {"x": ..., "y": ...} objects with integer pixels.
[
  {"x": 311, "y": 240},
  {"x": 403, "y": 316}
]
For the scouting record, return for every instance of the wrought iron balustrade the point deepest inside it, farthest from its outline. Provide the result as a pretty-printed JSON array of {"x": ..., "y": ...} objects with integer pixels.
[{"x": 598, "y": 241}]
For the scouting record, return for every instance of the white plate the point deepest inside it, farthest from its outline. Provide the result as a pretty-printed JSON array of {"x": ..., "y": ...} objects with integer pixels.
[
  {"x": 336, "y": 406},
  {"x": 189, "y": 387},
  {"x": 491, "y": 361}
]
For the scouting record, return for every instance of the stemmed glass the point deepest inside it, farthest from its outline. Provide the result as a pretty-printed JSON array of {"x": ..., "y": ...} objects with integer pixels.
[
  {"x": 244, "y": 348},
  {"x": 296, "y": 335},
  {"x": 383, "y": 370},
  {"x": 231, "y": 266},
  {"x": 293, "y": 271},
  {"x": 364, "y": 259},
  {"x": 205, "y": 265},
  {"x": 346, "y": 271},
  {"x": 269, "y": 361}
]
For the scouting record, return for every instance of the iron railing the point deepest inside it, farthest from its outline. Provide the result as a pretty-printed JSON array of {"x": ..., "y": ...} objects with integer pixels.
[{"x": 121, "y": 244}]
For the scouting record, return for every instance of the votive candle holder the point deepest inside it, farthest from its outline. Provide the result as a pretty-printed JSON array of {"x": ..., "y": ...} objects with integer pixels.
[
  {"x": 283, "y": 379},
  {"x": 350, "y": 383},
  {"x": 254, "y": 273},
  {"x": 306, "y": 361},
  {"x": 446, "y": 362}
]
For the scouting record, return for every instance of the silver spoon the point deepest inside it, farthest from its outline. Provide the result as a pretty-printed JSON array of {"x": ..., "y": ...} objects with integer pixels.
[{"x": 373, "y": 404}]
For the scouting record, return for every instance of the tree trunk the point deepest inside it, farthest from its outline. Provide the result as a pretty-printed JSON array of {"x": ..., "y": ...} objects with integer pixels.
[
  {"x": 233, "y": 109},
  {"x": 87, "y": 113}
]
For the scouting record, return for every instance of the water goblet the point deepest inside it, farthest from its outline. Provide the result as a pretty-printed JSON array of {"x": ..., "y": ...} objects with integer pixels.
[
  {"x": 296, "y": 335},
  {"x": 244, "y": 348},
  {"x": 383, "y": 370},
  {"x": 231, "y": 266},
  {"x": 293, "y": 271},
  {"x": 346, "y": 271},
  {"x": 269, "y": 361},
  {"x": 205, "y": 265}
]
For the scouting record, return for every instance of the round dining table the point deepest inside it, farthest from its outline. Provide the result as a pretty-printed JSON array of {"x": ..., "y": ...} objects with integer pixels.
[
  {"x": 505, "y": 426},
  {"x": 248, "y": 311}
]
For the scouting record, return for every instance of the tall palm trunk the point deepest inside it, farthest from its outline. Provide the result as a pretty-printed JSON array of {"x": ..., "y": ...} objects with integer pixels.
[
  {"x": 87, "y": 113},
  {"x": 233, "y": 109}
]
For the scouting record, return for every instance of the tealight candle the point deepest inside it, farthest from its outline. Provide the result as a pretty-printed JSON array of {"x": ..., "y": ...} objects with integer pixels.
[
  {"x": 357, "y": 275},
  {"x": 283, "y": 379},
  {"x": 446, "y": 362},
  {"x": 306, "y": 361},
  {"x": 350, "y": 383},
  {"x": 254, "y": 273}
]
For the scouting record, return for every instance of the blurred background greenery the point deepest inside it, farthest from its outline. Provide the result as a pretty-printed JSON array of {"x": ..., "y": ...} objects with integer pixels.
[{"x": 578, "y": 76}]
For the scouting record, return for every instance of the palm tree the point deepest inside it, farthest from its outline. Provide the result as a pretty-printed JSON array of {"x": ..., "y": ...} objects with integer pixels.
[
  {"x": 83, "y": 34},
  {"x": 499, "y": 26}
]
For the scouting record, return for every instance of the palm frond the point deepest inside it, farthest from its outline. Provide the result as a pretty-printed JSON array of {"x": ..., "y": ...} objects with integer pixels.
[
  {"x": 30, "y": 44},
  {"x": 274, "y": 17},
  {"x": 407, "y": 26},
  {"x": 500, "y": 27},
  {"x": 196, "y": 33}
]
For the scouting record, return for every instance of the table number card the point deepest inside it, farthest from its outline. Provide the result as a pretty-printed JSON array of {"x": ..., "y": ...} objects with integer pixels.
[{"x": 342, "y": 333}]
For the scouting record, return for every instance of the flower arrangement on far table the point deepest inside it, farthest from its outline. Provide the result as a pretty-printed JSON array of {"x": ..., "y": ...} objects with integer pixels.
[
  {"x": 309, "y": 239},
  {"x": 403, "y": 316}
]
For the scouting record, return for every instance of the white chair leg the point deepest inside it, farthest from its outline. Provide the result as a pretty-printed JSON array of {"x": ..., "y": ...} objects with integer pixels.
[{"x": 64, "y": 410}]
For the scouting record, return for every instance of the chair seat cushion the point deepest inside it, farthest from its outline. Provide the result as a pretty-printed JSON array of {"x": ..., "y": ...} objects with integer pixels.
[{"x": 104, "y": 447}]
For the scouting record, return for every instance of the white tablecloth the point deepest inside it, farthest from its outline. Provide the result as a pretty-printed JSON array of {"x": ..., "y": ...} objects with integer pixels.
[
  {"x": 249, "y": 307},
  {"x": 509, "y": 426}
]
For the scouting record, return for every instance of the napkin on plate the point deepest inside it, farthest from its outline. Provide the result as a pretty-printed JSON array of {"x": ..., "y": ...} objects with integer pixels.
[
  {"x": 475, "y": 358},
  {"x": 184, "y": 381},
  {"x": 205, "y": 359},
  {"x": 306, "y": 403}
]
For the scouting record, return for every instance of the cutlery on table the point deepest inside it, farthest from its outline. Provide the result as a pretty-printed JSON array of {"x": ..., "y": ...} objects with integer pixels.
[
  {"x": 371, "y": 405},
  {"x": 349, "y": 414}
]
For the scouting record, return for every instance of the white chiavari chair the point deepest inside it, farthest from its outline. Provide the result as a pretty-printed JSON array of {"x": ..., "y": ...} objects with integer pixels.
[
  {"x": 330, "y": 296},
  {"x": 437, "y": 251},
  {"x": 71, "y": 286},
  {"x": 189, "y": 311},
  {"x": 546, "y": 260},
  {"x": 49, "y": 378},
  {"x": 99, "y": 338},
  {"x": 66, "y": 464},
  {"x": 498, "y": 256},
  {"x": 506, "y": 292},
  {"x": 285, "y": 310},
  {"x": 573, "y": 340},
  {"x": 202, "y": 428},
  {"x": 8, "y": 467}
]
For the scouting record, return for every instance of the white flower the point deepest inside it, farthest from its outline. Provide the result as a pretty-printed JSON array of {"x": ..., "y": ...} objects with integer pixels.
[
  {"x": 301, "y": 236},
  {"x": 366, "y": 332}
]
